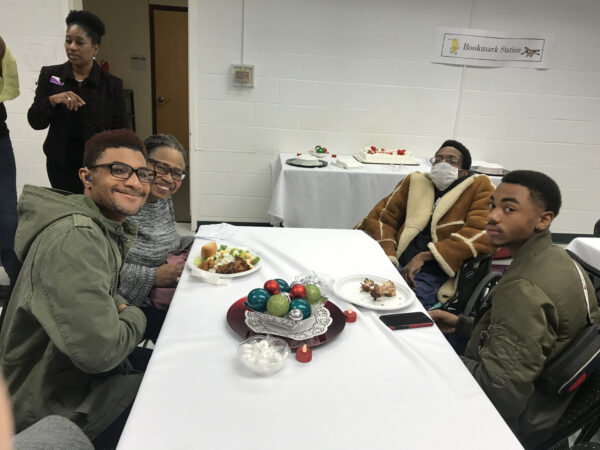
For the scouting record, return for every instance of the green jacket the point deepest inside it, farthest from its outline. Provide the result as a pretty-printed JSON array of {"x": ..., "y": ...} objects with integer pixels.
[
  {"x": 63, "y": 345},
  {"x": 537, "y": 308}
]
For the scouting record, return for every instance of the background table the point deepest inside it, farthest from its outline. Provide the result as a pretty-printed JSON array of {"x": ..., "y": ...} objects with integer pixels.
[
  {"x": 587, "y": 250},
  {"x": 331, "y": 197},
  {"x": 369, "y": 388}
]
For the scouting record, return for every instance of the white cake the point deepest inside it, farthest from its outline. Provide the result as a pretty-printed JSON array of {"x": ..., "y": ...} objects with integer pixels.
[
  {"x": 373, "y": 155},
  {"x": 306, "y": 160}
]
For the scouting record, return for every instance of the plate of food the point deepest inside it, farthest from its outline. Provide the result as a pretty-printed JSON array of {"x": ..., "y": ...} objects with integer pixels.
[
  {"x": 224, "y": 260},
  {"x": 373, "y": 292}
]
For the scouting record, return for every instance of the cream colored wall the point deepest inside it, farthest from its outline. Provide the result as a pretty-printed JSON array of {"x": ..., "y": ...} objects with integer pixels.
[{"x": 128, "y": 33}]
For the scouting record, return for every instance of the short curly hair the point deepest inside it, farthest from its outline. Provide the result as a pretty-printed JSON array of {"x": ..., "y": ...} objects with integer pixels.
[
  {"x": 543, "y": 190},
  {"x": 90, "y": 23},
  {"x": 98, "y": 143},
  {"x": 464, "y": 151}
]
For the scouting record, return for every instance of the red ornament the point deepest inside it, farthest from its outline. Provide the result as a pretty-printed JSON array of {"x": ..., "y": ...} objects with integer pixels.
[
  {"x": 272, "y": 287},
  {"x": 298, "y": 154},
  {"x": 350, "y": 315},
  {"x": 324, "y": 150},
  {"x": 401, "y": 152},
  {"x": 334, "y": 156},
  {"x": 304, "y": 354},
  {"x": 297, "y": 291},
  {"x": 373, "y": 148}
]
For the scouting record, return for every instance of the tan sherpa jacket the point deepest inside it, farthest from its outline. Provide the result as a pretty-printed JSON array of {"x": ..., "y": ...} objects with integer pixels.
[{"x": 458, "y": 222}]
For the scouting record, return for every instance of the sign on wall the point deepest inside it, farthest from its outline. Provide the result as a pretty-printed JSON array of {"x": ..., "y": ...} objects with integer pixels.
[{"x": 465, "y": 46}]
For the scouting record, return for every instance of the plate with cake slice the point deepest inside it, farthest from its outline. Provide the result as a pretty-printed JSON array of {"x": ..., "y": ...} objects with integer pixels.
[{"x": 373, "y": 292}]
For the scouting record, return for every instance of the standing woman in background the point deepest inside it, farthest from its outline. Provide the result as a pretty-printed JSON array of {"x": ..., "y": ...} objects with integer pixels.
[{"x": 76, "y": 99}]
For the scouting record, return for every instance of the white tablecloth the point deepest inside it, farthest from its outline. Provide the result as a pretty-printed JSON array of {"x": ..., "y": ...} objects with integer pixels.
[
  {"x": 587, "y": 249},
  {"x": 331, "y": 197},
  {"x": 369, "y": 388}
]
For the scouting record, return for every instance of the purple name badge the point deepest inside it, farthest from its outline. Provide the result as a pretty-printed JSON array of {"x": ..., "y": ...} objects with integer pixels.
[{"x": 56, "y": 80}]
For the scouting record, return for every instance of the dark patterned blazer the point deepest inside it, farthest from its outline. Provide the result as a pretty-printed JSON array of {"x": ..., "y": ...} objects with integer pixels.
[{"x": 104, "y": 108}]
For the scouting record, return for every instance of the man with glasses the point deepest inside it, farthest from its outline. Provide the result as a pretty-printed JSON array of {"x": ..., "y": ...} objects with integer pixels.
[
  {"x": 67, "y": 335},
  {"x": 432, "y": 223}
]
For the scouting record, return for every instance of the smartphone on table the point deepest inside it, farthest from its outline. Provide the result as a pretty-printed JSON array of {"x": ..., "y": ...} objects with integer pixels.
[{"x": 403, "y": 321}]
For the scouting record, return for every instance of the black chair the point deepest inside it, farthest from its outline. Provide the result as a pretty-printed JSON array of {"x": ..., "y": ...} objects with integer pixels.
[
  {"x": 582, "y": 414},
  {"x": 472, "y": 272},
  {"x": 587, "y": 446}
]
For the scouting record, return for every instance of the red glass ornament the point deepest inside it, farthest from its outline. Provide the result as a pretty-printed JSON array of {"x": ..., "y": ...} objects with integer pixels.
[
  {"x": 304, "y": 354},
  {"x": 297, "y": 291},
  {"x": 272, "y": 287}
]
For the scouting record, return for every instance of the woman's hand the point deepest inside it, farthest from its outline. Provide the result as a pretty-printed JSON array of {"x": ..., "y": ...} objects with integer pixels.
[
  {"x": 445, "y": 321},
  {"x": 168, "y": 275},
  {"x": 70, "y": 99}
]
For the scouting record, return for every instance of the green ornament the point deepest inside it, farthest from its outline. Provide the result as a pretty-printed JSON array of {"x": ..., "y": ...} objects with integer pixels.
[
  {"x": 313, "y": 293},
  {"x": 278, "y": 305}
]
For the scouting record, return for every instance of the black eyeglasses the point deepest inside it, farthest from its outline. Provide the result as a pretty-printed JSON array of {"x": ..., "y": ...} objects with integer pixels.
[
  {"x": 124, "y": 172},
  {"x": 452, "y": 160},
  {"x": 163, "y": 169}
]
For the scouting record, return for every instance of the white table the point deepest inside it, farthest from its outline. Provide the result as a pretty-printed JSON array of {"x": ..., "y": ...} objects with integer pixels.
[
  {"x": 331, "y": 197},
  {"x": 587, "y": 250},
  {"x": 369, "y": 388}
]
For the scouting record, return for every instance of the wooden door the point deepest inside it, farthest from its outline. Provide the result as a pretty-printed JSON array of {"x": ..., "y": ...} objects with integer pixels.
[{"x": 169, "y": 43}]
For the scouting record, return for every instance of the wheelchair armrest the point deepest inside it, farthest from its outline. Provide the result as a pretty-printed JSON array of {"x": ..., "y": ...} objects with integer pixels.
[{"x": 489, "y": 280}]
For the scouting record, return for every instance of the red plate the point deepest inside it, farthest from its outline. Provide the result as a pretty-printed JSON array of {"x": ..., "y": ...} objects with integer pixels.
[{"x": 236, "y": 318}]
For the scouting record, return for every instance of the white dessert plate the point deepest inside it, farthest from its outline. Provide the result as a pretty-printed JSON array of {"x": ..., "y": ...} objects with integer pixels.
[
  {"x": 349, "y": 289},
  {"x": 306, "y": 164},
  {"x": 197, "y": 272}
]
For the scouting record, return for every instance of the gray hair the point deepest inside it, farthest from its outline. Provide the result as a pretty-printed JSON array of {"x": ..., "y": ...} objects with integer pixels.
[{"x": 163, "y": 140}]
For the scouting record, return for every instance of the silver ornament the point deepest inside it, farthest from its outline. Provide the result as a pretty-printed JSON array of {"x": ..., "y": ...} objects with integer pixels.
[{"x": 295, "y": 314}]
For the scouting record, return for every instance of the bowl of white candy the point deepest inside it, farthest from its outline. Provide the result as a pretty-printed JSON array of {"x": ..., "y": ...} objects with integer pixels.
[{"x": 264, "y": 354}]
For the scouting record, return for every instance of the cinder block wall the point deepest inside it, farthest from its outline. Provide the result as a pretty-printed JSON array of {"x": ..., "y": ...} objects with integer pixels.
[{"x": 345, "y": 74}]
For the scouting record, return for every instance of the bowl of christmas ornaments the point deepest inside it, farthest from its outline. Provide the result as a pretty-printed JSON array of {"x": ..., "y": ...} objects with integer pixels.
[{"x": 289, "y": 309}]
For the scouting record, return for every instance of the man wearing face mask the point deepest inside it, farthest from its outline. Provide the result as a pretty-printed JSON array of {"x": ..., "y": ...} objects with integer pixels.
[{"x": 432, "y": 223}]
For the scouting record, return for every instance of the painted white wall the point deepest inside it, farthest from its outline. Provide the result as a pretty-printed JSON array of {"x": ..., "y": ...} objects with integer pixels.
[
  {"x": 351, "y": 73},
  {"x": 345, "y": 74},
  {"x": 34, "y": 30}
]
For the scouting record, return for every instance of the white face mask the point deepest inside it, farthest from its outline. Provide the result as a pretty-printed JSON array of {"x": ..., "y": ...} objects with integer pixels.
[{"x": 443, "y": 175}]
